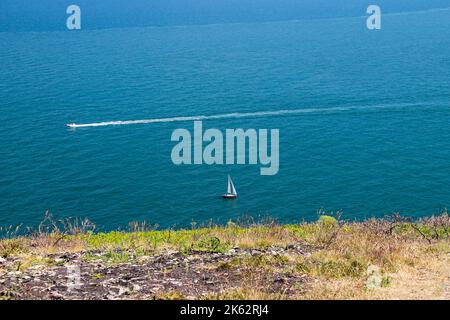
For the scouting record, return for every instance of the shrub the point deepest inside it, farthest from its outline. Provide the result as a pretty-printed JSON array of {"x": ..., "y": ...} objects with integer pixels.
[{"x": 328, "y": 220}]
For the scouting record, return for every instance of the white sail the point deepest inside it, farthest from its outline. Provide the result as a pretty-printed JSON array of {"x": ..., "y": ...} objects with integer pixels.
[
  {"x": 231, "y": 188},
  {"x": 229, "y": 185}
]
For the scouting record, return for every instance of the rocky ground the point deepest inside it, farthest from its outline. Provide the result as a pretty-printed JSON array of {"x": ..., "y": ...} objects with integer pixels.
[
  {"x": 194, "y": 274},
  {"x": 393, "y": 258}
]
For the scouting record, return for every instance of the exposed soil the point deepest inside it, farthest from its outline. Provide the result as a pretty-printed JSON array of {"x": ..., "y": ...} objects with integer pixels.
[{"x": 191, "y": 275}]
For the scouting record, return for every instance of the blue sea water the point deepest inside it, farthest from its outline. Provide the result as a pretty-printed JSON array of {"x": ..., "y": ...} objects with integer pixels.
[{"x": 389, "y": 152}]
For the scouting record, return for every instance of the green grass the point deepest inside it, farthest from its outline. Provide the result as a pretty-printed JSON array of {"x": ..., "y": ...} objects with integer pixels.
[
  {"x": 110, "y": 257},
  {"x": 333, "y": 268},
  {"x": 216, "y": 238}
]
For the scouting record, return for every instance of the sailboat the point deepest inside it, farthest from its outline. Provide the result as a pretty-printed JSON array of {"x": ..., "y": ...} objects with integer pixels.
[{"x": 231, "y": 192}]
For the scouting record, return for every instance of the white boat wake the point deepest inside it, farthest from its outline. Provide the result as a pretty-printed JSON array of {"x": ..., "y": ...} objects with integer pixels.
[{"x": 244, "y": 115}]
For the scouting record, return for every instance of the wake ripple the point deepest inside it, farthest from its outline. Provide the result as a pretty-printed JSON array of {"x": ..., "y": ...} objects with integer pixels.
[{"x": 243, "y": 115}]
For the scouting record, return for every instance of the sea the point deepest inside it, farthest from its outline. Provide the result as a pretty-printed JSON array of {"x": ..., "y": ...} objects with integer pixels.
[{"x": 368, "y": 135}]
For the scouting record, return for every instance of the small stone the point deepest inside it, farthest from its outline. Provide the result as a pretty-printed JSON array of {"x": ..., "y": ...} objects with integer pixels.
[
  {"x": 144, "y": 259},
  {"x": 122, "y": 291},
  {"x": 136, "y": 287}
]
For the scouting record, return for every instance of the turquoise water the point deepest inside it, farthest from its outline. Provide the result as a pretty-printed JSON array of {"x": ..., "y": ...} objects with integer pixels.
[{"x": 384, "y": 146}]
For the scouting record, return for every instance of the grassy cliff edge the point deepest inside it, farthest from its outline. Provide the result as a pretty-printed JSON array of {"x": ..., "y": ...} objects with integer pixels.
[{"x": 390, "y": 258}]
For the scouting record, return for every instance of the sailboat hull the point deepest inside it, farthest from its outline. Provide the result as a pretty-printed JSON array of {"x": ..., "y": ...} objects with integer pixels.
[{"x": 229, "y": 196}]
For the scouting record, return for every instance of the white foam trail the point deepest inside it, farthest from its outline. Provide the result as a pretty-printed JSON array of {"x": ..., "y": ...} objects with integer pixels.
[{"x": 242, "y": 115}]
